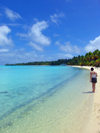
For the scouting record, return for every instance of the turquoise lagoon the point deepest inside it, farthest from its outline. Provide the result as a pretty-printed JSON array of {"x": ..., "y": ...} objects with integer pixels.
[{"x": 44, "y": 99}]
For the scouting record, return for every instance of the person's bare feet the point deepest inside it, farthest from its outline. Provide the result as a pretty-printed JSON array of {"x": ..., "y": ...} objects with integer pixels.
[{"x": 93, "y": 91}]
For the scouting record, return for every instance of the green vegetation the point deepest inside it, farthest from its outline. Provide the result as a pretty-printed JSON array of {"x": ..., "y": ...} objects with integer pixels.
[{"x": 90, "y": 59}]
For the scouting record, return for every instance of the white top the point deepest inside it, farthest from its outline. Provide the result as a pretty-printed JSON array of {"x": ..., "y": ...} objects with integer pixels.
[{"x": 94, "y": 75}]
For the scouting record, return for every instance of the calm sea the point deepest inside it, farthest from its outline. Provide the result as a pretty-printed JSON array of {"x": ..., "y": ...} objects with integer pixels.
[{"x": 43, "y": 99}]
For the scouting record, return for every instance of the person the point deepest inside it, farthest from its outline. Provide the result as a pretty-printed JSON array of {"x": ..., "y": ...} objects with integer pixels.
[{"x": 93, "y": 79}]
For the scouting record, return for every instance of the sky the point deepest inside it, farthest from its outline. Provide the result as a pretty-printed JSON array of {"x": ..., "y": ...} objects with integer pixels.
[{"x": 45, "y": 30}]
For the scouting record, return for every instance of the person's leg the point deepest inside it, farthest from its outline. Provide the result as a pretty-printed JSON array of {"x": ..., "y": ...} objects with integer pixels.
[{"x": 93, "y": 87}]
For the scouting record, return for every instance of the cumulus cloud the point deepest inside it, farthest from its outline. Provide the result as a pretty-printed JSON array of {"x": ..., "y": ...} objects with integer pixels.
[
  {"x": 69, "y": 48},
  {"x": 55, "y": 18},
  {"x": 93, "y": 45},
  {"x": 11, "y": 14},
  {"x": 4, "y": 38},
  {"x": 35, "y": 36}
]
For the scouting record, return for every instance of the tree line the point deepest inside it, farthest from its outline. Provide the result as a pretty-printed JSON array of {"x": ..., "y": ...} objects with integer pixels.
[{"x": 89, "y": 59}]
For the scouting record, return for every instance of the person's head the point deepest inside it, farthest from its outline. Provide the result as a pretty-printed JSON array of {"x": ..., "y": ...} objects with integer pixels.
[{"x": 92, "y": 69}]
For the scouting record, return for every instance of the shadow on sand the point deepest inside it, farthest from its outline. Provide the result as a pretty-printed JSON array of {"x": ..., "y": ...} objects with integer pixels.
[{"x": 88, "y": 92}]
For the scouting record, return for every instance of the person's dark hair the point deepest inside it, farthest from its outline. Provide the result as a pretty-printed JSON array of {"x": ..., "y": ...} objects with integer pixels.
[{"x": 92, "y": 69}]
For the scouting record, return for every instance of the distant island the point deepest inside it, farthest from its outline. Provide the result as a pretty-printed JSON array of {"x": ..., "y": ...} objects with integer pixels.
[{"x": 90, "y": 59}]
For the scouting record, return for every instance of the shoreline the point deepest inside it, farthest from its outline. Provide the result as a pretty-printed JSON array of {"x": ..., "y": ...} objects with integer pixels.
[
  {"x": 93, "y": 125},
  {"x": 87, "y": 123},
  {"x": 58, "y": 114}
]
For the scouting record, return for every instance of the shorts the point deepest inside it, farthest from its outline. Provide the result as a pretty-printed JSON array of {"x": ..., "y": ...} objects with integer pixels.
[{"x": 94, "y": 80}]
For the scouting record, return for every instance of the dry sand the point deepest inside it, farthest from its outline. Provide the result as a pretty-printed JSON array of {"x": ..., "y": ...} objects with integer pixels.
[{"x": 93, "y": 125}]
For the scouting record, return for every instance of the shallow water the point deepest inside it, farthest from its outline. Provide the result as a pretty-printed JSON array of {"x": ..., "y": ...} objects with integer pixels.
[{"x": 43, "y": 99}]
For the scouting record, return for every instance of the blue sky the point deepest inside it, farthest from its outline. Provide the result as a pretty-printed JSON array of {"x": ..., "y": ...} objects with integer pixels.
[{"x": 35, "y": 30}]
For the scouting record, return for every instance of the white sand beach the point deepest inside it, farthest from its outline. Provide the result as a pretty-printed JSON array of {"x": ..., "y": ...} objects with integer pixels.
[{"x": 93, "y": 126}]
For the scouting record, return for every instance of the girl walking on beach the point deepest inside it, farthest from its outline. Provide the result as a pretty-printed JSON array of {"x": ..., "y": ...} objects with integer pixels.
[{"x": 93, "y": 79}]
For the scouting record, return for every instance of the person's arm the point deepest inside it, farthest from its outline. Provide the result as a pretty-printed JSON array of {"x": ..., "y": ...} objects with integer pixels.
[
  {"x": 90, "y": 76},
  {"x": 96, "y": 75}
]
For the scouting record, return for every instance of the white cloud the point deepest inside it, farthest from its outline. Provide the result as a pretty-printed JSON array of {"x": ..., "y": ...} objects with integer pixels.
[
  {"x": 4, "y": 50},
  {"x": 19, "y": 56},
  {"x": 37, "y": 47},
  {"x": 93, "y": 44},
  {"x": 70, "y": 48},
  {"x": 4, "y": 38},
  {"x": 55, "y": 18},
  {"x": 66, "y": 48},
  {"x": 36, "y": 34},
  {"x": 11, "y": 14}
]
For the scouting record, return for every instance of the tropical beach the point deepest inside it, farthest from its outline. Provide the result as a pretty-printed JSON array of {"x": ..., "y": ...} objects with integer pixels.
[
  {"x": 60, "y": 106},
  {"x": 47, "y": 48},
  {"x": 67, "y": 107}
]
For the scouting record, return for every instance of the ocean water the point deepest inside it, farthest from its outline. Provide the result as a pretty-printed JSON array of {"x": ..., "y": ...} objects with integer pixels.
[{"x": 44, "y": 99}]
